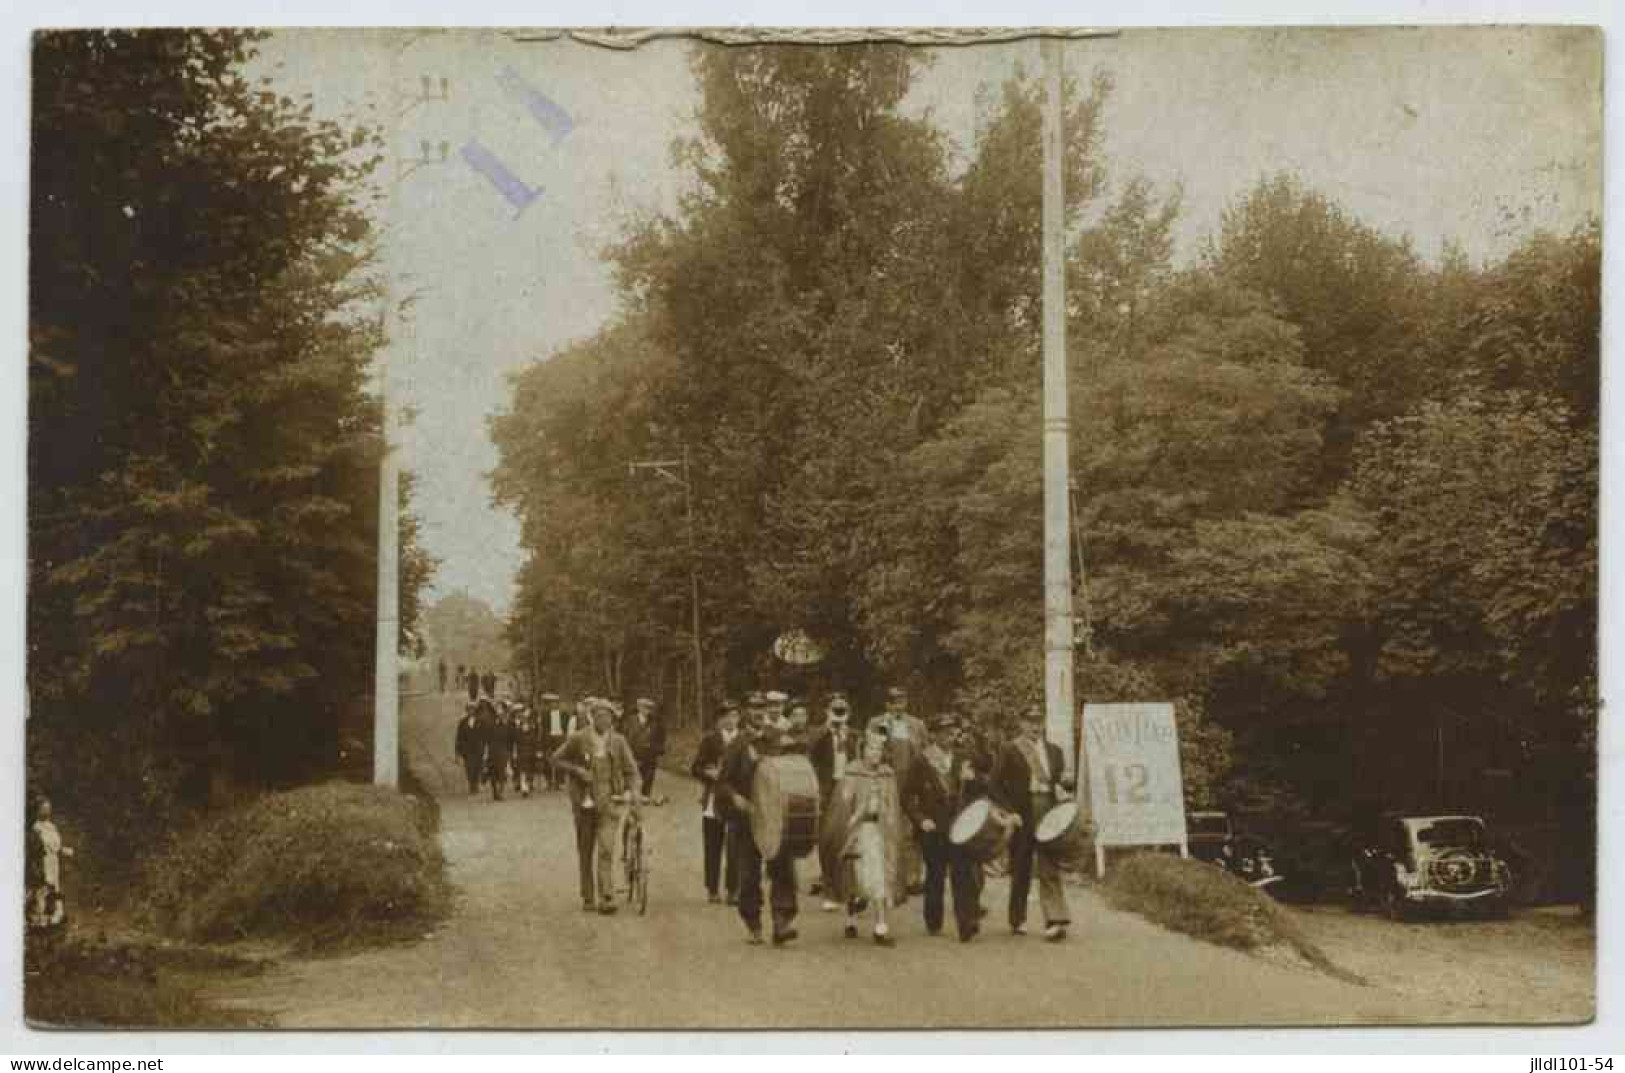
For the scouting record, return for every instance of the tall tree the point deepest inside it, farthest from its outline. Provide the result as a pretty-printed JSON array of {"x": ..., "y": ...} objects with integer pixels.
[{"x": 202, "y": 451}]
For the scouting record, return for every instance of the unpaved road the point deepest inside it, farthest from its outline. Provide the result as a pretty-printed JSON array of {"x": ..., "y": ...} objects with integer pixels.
[
  {"x": 1540, "y": 965},
  {"x": 520, "y": 953}
]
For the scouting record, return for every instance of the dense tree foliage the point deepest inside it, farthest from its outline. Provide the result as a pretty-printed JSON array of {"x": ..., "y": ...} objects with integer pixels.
[
  {"x": 203, "y": 450},
  {"x": 1330, "y": 497}
]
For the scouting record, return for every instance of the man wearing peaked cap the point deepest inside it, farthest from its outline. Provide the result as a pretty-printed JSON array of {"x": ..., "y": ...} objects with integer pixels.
[{"x": 646, "y": 733}]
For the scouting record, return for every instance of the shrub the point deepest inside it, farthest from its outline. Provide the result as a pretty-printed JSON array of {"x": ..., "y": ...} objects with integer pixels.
[
  {"x": 328, "y": 865},
  {"x": 1210, "y": 904}
]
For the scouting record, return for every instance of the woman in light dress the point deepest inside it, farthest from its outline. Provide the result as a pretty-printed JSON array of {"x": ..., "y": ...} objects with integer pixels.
[
  {"x": 45, "y": 909},
  {"x": 863, "y": 832}
]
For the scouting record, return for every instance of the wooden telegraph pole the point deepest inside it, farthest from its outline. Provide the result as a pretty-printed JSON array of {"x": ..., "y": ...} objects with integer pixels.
[
  {"x": 1060, "y": 709},
  {"x": 668, "y": 469}
]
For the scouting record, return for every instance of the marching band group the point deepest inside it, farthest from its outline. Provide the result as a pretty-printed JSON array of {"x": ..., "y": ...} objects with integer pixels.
[{"x": 888, "y": 809}]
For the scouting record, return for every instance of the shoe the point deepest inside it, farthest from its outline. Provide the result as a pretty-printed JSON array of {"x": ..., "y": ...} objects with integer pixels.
[
  {"x": 713, "y": 897},
  {"x": 1054, "y": 933},
  {"x": 816, "y": 887},
  {"x": 851, "y": 931},
  {"x": 755, "y": 937},
  {"x": 1018, "y": 929},
  {"x": 967, "y": 937},
  {"x": 884, "y": 939},
  {"x": 587, "y": 906},
  {"x": 788, "y": 935},
  {"x": 933, "y": 933},
  {"x": 608, "y": 908},
  {"x": 829, "y": 907}
]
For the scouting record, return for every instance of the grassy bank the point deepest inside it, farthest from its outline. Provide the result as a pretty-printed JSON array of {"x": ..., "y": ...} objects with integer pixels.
[
  {"x": 319, "y": 870},
  {"x": 324, "y": 868},
  {"x": 1210, "y": 904}
]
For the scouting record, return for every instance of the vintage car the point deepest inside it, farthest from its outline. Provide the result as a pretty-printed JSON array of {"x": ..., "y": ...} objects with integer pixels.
[
  {"x": 1207, "y": 834},
  {"x": 1436, "y": 862},
  {"x": 1210, "y": 838}
]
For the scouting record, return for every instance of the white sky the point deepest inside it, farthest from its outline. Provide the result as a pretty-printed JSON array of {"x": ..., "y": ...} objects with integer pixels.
[{"x": 1431, "y": 133}]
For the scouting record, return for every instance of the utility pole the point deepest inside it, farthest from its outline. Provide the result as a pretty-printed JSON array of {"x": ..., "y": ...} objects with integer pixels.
[
  {"x": 386, "y": 681},
  {"x": 1060, "y": 709},
  {"x": 665, "y": 468}
]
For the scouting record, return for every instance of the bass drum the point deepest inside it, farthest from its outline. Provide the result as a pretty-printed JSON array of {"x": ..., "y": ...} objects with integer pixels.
[
  {"x": 981, "y": 830},
  {"x": 785, "y": 799},
  {"x": 1063, "y": 836}
]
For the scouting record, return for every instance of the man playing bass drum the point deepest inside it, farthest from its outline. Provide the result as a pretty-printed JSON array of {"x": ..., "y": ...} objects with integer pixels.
[
  {"x": 1028, "y": 780},
  {"x": 735, "y": 788}
]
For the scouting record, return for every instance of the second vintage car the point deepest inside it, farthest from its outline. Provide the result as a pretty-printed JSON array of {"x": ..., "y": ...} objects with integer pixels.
[{"x": 1437, "y": 862}]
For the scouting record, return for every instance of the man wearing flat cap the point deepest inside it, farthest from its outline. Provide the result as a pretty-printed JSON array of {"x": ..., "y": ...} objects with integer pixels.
[
  {"x": 603, "y": 776},
  {"x": 646, "y": 733}
]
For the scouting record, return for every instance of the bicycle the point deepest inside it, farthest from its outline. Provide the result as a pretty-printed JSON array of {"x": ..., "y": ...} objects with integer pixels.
[{"x": 635, "y": 854}]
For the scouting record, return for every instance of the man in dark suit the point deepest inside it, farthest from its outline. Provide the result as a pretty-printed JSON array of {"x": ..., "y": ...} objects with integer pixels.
[
  {"x": 471, "y": 747},
  {"x": 488, "y": 682},
  {"x": 499, "y": 742},
  {"x": 707, "y": 768},
  {"x": 473, "y": 683},
  {"x": 834, "y": 745},
  {"x": 646, "y": 733},
  {"x": 1029, "y": 778},
  {"x": 933, "y": 794}
]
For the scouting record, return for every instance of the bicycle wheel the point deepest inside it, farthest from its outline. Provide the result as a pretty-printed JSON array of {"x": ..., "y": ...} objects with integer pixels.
[
  {"x": 632, "y": 854},
  {"x": 643, "y": 876}
]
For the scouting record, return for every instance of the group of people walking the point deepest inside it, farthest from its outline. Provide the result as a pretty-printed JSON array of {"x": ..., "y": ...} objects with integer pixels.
[
  {"x": 507, "y": 744},
  {"x": 888, "y": 792}
]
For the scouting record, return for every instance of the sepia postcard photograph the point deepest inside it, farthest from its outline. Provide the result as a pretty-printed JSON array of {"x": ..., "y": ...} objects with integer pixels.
[{"x": 806, "y": 529}]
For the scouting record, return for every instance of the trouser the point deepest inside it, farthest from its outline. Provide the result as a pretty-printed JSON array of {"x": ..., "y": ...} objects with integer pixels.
[
  {"x": 554, "y": 778},
  {"x": 646, "y": 769},
  {"x": 499, "y": 776},
  {"x": 947, "y": 866},
  {"x": 596, "y": 830},
  {"x": 719, "y": 864},
  {"x": 1024, "y": 860},
  {"x": 781, "y": 875},
  {"x": 471, "y": 767}
]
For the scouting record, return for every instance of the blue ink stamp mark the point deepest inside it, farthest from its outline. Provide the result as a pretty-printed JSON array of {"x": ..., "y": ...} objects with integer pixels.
[
  {"x": 519, "y": 194},
  {"x": 547, "y": 113}
]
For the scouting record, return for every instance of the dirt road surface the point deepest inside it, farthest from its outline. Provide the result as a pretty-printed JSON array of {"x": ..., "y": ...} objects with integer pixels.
[
  {"x": 520, "y": 953},
  {"x": 1538, "y": 966}
]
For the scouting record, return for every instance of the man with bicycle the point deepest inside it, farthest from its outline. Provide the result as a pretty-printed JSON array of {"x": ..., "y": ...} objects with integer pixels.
[{"x": 603, "y": 776}]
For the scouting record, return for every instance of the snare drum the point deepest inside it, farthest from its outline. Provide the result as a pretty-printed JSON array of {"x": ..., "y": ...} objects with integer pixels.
[
  {"x": 1063, "y": 835},
  {"x": 785, "y": 799},
  {"x": 981, "y": 830}
]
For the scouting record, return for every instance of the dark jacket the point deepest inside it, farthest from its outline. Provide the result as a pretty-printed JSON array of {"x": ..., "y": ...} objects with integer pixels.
[
  {"x": 470, "y": 740},
  {"x": 710, "y": 753},
  {"x": 737, "y": 778},
  {"x": 648, "y": 740},
  {"x": 931, "y": 795},
  {"x": 822, "y": 754},
  {"x": 1011, "y": 784},
  {"x": 499, "y": 742}
]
